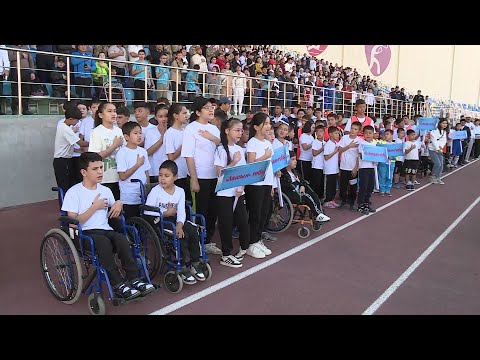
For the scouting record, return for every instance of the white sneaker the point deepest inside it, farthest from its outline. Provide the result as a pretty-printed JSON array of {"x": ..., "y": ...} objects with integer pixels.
[
  {"x": 439, "y": 181},
  {"x": 322, "y": 218},
  {"x": 262, "y": 247},
  {"x": 255, "y": 251},
  {"x": 230, "y": 261},
  {"x": 211, "y": 248},
  {"x": 241, "y": 253}
]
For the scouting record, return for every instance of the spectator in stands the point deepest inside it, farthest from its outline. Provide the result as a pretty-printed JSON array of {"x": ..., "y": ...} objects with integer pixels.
[
  {"x": 65, "y": 49},
  {"x": 100, "y": 75},
  {"x": 44, "y": 63},
  {"x": 418, "y": 100},
  {"x": 4, "y": 71},
  {"x": 82, "y": 71},
  {"x": 27, "y": 74},
  {"x": 214, "y": 82},
  {"x": 139, "y": 75},
  {"x": 59, "y": 80},
  {"x": 119, "y": 53},
  {"x": 227, "y": 80},
  {"x": 176, "y": 76},
  {"x": 162, "y": 73}
]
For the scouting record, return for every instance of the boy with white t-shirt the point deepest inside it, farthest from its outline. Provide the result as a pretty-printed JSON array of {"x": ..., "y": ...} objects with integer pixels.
[
  {"x": 142, "y": 111},
  {"x": 306, "y": 156},
  {"x": 318, "y": 147},
  {"x": 154, "y": 141},
  {"x": 366, "y": 174},
  {"x": 330, "y": 167},
  {"x": 132, "y": 163},
  {"x": 88, "y": 202},
  {"x": 65, "y": 139},
  {"x": 411, "y": 159},
  {"x": 348, "y": 147}
]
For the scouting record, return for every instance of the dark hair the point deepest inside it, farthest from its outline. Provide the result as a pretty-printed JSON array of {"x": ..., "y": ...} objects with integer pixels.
[
  {"x": 360, "y": 102},
  {"x": 400, "y": 130},
  {"x": 332, "y": 115},
  {"x": 69, "y": 103},
  {"x": 175, "y": 108},
  {"x": 88, "y": 157},
  {"x": 410, "y": 131},
  {"x": 332, "y": 129},
  {"x": 292, "y": 154},
  {"x": 123, "y": 110},
  {"x": 98, "y": 119},
  {"x": 258, "y": 119},
  {"x": 398, "y": 121},
  {"x": 356, "y": 124},
  {"x": 228, "y": 124},
  {"x": 388, "y": 131},
  {"x": 95, "y": 100},
  {"x": 163, "y": 100},
  {"x": 198, "y": 103},
  {"x": 73, "y": 113},
  {"x": 318, "y": 127},
  {"x": 368, "y": 127},
  {"x": 160, "y": 107},
  {"x": 141, "y": 104},
  {"x": 170, "y": 165},
  {"x": 128, "y": 127},
  {"x": 222, "y": 115},
  {"x": 440, "y": 120},
  {"x": 307, "y": 127}
]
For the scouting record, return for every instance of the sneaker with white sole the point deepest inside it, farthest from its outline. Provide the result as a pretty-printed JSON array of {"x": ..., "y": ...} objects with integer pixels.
[
  {"x": 125, "y": 292},
  {"x": 197, "y": 271},
  {"x": 211, "y": 248},
  {"x": 322, "y": 218},
  {"x": 255, "y": 251},
  {"x": 439, "y": 181},
  {"x": 230, "y": 261},
  {"x": 241, "y": 253},
  {"x": 144, "y": 287},
  {"x": 262, "y": 246},
  {"x": 266, "y": 236},
  {"x": 331, "y": 205},
  {"x": 187, "y": 276}
]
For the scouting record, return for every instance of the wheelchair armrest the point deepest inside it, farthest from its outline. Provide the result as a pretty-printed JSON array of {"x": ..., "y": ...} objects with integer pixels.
[
  {"x": 188, "y": 203},
  {"x": 150, "y": 208},
  {"x": 69, "y": 220}
]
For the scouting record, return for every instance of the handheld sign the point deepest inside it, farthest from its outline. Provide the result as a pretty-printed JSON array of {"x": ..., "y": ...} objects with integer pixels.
[
  {"x": 242, "y": 175},
  {"x": 393, "y": 149},
  {"x": 458, "y": 135},
  {"x": 280, "y": 158},
  {"x": 374, "y": 153},
  {"x": 426, "y": 123}
]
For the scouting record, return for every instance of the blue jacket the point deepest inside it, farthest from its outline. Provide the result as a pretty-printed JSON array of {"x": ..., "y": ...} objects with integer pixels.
[{"x": 79, "y": 65}]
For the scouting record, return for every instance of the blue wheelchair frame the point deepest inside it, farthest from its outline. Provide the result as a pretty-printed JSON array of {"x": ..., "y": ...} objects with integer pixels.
[{"x": 95, "y": 283}]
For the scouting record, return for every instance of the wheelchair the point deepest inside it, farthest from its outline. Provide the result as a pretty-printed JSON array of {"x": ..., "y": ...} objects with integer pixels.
[
  {"x": 283, "y": 217},
  {"x": 170, "y": 245},
  {"x": 62, "y": 254}
]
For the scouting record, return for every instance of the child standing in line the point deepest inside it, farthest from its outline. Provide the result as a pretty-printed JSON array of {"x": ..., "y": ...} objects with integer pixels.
[
  {"x": 457, "y": 148},
  {"x": 123, "y": 115},
  {"x": 318, "y": 147},
  {"x": 385, "y": 170},
  {"x": 155, "y": 141},
  {"x": 348, "y": 147},
  {"x": 228, "y": 154},
  {"x": 399, "y": 170},
  {"x": 306, "y": 156},
  {"x": 132, "y": 163},
  {"x": 330, "y": 167},
  {"x": 106, "y": 140},
  {"x": 282, "y": 134},
  {"x": 411, "y": 159},
  {"x": 366, "y": 174}
]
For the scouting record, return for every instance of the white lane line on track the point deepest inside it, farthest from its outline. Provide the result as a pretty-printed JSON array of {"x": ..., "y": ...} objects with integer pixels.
[
  {"x": 214, "y": 288},
  {"x": 379, "y": 302}
]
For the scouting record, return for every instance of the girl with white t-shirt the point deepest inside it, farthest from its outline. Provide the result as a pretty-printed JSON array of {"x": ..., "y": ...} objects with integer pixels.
[
  {"x": 282, "y": 133},
  {"x": 200, "y": 139},
  {"x": 318, "y": 161},
  {"x": 438, "y": 139},
  {"x": 231, "y": 202},
  {"x": 306, "y": 155},
  {"x": 106, "y": 140},
  {"x": 259, "y": 195},
  {"x": 155, "y": 142},
  {"x": 173, "y": 139}
]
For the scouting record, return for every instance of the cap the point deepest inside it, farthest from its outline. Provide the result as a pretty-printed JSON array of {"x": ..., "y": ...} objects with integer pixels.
[
  {"x": 225, "y": 100},
  {"x": 60, "y": 58}
]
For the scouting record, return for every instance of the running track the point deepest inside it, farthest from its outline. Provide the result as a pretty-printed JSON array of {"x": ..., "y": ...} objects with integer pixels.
[{"x": 417, "y": 255}]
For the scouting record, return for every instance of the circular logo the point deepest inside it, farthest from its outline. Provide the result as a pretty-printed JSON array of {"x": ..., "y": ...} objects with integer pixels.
[{"x": 315, "y": 50}]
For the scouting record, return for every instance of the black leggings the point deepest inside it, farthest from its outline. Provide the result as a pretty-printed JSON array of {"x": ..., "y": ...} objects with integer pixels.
[
  {"x": 259, "y": 205},
  {"x": 305, "y": 168},
  {"x": 318, "y": 182},
  {"x": 331, "y": 188},
  {"x": 348, "y": 192},
  {"x": 309, "y": 198},
  {"x": 226, "y": 215},
  {"x": 205, "y": 202},
  {"x": 367, "y": 183},
  {"x": 185, "y": 185}
]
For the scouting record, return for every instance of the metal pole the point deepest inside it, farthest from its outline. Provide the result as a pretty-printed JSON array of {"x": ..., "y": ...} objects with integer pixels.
[
  {"x": 250, "y": 94},
  {"x": 176, "y": 87},
  {"x": 451, "y": 72},
  {"x": 268, "y": 96},
  {"x": 19, "y": 85},
  {"x": 204, "y": 83},
  {"x": 284, "y": 95},
  {"x": 110, "y": 81},
  {"x": 68, "y": 78},
  {"x": 146, "y": 83},
  {"x": 398, "y": 63}
]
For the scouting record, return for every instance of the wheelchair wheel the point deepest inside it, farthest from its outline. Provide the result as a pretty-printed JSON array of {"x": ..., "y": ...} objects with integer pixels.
[
  {"x": 96, "y": 307},
  {"x": 61, "y": 267},
  {"x": 207, "y": 270},
  {"x": 173, "y": 282},
  {"x": 317, "y": 225},
  {"x": 281, "y": 218},
  {"x": 303, "y": 232},
  {"x": 150, "y": 247}
]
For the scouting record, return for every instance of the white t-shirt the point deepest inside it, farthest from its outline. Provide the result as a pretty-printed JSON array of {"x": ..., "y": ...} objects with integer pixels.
[
  {"x": 399, "y": 158},
  {"x": 306, "y": 155},
  {"x": 87, "y": 127},
  {"x": 330, "y": 166},
  {"x": 220, "y": 159},
  {"x": 349, "y": 123},
  {"x": 318, "y": 161},
  {"x": 476, "y": 131},
  {"x": 363, "y": 164},
  {"x": 126, "y": 158},
  {"x": 159, "y": 156},
  {"x": 75, "y": 146},
  {"x": 65, "y": 139},
  {"x": 160, "y": 198},
  {"x": 278, "y": 144},
  {"x": 100, "y": 139},
  {"x": 78, "y": 199},
  {"x": 200, "y": 149},
  {"x": 258, "y": 147},
  {"x": 146, "y": 129},
  {"x": 412, "y": 155},
  {"x": 348, "y": 160},
  {"x": 133, "y": 48},
  {"x": 172, "y": 140}
]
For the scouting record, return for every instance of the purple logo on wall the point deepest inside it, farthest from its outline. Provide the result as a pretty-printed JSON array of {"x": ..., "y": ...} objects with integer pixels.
[{"x": 378, "y": 58}]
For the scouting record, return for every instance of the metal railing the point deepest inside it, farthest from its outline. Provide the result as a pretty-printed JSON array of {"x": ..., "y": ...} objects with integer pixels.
[{"x": 184, "y": 84}]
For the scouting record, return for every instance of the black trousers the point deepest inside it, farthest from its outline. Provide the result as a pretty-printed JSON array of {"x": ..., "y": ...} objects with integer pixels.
[
  {"x": 205, "y": 202},
  {"x": 62, "y": 168},
  {"x": 305, "y": 168},
  {"x": 131, "y": 210},
  {"x": 75, "y": 174},
  {"x": 189, "y": 244},
  {"x": 476, "y": 145},
  {"x": 185, "y": 185},
  {"x": 331, "y": 188},
  {"x": 108, "y": 242},
  {"x": 348, "y": 192},
  {"x": 259, "y": 205},
  {"x": 84, "y": 89},
  {"x": 115, "y": 189},
  {"x": 225, "y": 222},
  {"x": 44, "y": 62},
  {"x": 365, "y": 188},
  {"x": 310, "y": 198},
  {"x": 25, "y": 77},
  {"x": 139, "y": 90},
  {"x": 318, "y": 182}
]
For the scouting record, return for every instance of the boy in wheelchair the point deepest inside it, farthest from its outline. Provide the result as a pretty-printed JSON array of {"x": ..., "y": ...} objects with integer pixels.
[
  {"x": 88, "y": 202},
  {"x": 299, "y": 191},
  {"x": 171, "y": 201}
]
